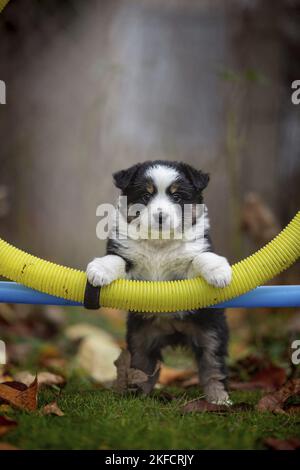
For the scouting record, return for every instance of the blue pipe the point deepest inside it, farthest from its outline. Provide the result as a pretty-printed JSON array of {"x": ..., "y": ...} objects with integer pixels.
[
  {"x": 13, "y": 293},
  {"x": 265, "y": 296}
]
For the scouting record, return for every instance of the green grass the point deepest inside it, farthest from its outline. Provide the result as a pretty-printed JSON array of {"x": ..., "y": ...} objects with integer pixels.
[{"x": 97, "y": 418}]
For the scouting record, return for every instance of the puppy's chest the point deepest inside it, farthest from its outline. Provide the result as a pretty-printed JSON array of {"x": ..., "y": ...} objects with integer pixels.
[{"x": 155, "y": 262}]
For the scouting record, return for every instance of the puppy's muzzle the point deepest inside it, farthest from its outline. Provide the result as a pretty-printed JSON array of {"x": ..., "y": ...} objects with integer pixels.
[{"x": 160, "y": 217}]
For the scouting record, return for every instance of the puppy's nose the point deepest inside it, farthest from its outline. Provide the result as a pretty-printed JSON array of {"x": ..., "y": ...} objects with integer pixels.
[{"x": 160, "y": 217}]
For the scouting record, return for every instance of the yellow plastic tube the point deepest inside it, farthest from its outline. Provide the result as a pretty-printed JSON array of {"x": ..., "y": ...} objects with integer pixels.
[{"x": 145, "y": 296}]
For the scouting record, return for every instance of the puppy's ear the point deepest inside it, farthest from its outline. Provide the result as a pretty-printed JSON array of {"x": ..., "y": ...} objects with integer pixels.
[
  {"x": 198, "y": 178},
  {"x": 123, "y": 178}
]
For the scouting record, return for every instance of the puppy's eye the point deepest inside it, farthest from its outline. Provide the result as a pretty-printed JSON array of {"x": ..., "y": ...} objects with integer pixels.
[
  {"x": 146, "y": 197},
  {"x": 176, "y": 197}
]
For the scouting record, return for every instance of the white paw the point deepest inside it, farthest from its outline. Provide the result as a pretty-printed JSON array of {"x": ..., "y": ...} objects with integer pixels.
[
  {"x": 215, "y": 269},
  {"x": 218, "y": 396},
  {"x": 222, "y": 401},
  {"x": 103, "y": 271}
]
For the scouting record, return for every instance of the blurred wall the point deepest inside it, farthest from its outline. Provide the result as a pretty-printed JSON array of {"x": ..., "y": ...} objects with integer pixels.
[{"x": 96, "y": 87}]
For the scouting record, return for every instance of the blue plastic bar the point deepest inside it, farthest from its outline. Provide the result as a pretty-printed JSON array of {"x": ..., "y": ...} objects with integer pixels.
[
  {"x": 266, "y": 296},
  {"x": 13, "y": 293}
]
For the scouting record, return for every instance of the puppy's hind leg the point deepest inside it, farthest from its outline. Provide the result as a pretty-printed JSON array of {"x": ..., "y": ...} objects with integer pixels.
[{"x": 144, "y": 350}]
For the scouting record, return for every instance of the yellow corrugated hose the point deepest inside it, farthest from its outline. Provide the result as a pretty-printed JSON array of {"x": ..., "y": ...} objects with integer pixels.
[
  {"x": 3, "y": 4},
  {"x": 146, "y": 296}
]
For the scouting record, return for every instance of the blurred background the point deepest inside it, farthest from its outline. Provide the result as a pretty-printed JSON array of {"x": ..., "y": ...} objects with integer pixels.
[{"x": 94, "y": 87}]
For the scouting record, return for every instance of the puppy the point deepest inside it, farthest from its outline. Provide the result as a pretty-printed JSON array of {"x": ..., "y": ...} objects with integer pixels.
[{"x": 163, "y": 247}]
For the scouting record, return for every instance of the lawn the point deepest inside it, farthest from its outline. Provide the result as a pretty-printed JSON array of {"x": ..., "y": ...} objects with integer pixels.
[{"x": 97, "y": 418}]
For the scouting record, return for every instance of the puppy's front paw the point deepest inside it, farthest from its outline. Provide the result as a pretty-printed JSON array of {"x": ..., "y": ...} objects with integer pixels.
[
  {"x": 102, "y": 271},
  {"x": 225, "y": 401},
  {"x": 216, "y": 394},
  {"x": 215, "y": 269}
]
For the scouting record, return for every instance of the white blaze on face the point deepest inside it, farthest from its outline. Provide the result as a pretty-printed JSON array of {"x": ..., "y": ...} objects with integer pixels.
[{"x": 162, "y": 177}]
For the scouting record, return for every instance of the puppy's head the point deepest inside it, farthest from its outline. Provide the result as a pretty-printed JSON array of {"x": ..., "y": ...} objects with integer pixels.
[{"x": 158, "y": 193}]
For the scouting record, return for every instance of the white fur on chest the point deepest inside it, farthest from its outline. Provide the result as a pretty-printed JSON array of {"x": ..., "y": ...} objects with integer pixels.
[{"x": 161, "y": 260}]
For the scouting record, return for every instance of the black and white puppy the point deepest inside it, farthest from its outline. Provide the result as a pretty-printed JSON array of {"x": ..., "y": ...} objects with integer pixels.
[{"x": 160, "y": 189}]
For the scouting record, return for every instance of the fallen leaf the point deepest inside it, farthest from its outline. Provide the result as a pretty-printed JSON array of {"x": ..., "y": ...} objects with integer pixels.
[
  {"x": 191, "y": 382},
  {"x": 292, "y": 409},
  {"x": 270, "y": 378},
  {"x": 200, "y": 406},
  {"x": 7, "y": 446},
  {"x": 292, "y": 443},
  {"x": 248, "y": 366},
  {"x": 129, "y": 378},
  {"x": 44, "y": 378},
  {"x": 24, "y": 399},
  {"x": 25, "y": 377},
  {"x": 169, "y": 375},
  {"x": 16, "y": 385},
  {"x": 8, "y": 394},
  {"x": 274, "y": 402},
  {"x": 6, "y": 425},
  {"x": 122, "y": 364},
  {"x": 136, "y": 376},
  {"x": 52, "y": 409},
  {"x": 97, "y": 351}
]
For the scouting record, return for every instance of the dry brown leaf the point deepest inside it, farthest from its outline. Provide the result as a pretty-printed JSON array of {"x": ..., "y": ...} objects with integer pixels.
[
  {"x": 47, "y": 378},
  {"x": 292, "y": 443},
  {"x": 7, "y": 446},
  {"x": 270, "y": 378},
  {"x": 275, "y": 401},
  {"x": 24, "y": 399},
  {"x": 52, "y": 409},
  {"x": 44, "y": 378},
  {"x": 292, "y": 409},
  {"x": 97, "y": 351},
  {"x": 136, "y": 376},
  {"x": 191, "y": 382},
  {"x": 169, "y": 375},
  {"x": 16, "y": 385},
  {"x": 128, "y": 377},
  {"x": 8, "y": 394},
  {"x": 122, "y": 364},
  {"x": 6, "y": 425},
  {"x": 200, "y": 406}
]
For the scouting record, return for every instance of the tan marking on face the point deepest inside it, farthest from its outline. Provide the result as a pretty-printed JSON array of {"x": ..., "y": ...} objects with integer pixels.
[
  {"x": 174, "y": 187},
  {"x": 150, "y": 188}
]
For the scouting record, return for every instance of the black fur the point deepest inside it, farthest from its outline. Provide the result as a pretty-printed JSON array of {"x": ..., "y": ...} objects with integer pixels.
[{"x": 192, "y": 329}]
